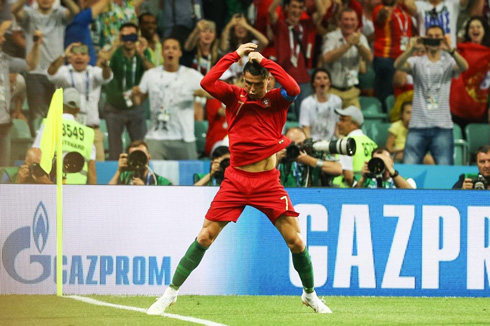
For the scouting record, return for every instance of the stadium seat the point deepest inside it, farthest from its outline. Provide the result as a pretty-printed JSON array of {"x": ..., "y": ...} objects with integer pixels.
[
  {"x": 477, "y": 134},
  {"x": 366, "y": 81},
  {"x": 20, "y": 140},
  {"x": 461, "y": 148},
  {"x": 379, "y": 133},
  {"x": 200, "y": 132},
  {"x": 103, "y": 129},
  {"x": 371, "y": 109},
  {"x": 389, "y": 102},
  {"x": 8, "y": 175}
]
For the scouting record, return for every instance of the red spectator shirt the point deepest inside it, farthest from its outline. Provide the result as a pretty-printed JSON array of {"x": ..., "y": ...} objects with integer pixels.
[
  {"x": 217, "y": 125},
  {"x": 284, "y": 51},
  {"x": 254, "y": 126},
  {"x": 387, "y": 35}
]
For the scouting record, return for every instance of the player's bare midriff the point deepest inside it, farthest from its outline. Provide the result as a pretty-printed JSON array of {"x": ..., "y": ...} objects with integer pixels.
[{"x": 260, "y": 166}]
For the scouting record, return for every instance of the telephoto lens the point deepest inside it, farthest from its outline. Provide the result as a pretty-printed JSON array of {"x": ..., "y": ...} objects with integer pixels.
[
  {"x": 343, "y": 146},
  {"x": 376, "y": 166}
]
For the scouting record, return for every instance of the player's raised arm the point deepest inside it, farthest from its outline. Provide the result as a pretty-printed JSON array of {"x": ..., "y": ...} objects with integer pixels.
[{"x": 290, "y": 88}]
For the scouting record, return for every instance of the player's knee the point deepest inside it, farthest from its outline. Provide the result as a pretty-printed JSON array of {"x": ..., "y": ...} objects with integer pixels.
[
  {"x": 205, "y": 238},
  {"x": 296, "y": 244}
]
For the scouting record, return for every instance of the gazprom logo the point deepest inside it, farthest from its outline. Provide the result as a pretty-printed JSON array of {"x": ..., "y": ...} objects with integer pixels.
[
  {"x": 40, "y": 227},
  {"x": 20, "y": 239}
]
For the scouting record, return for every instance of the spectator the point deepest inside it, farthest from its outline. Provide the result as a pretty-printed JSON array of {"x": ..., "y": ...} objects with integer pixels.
[
  {"x": 131, "y": 172},
  {"x": 392, "y": 32},
  {"x": 367, "y": 20},
  {"x": 395, "y": 143},
  {"x": 171, "y": 89},
  {"x": 305, "y": 170},
  {"x": 148, "y": 27},
  {"x": 237, "y": 32},
  {"x": 178, "y": 18},
  {"x": 31, "y": 172},
  {"x": 431, "y": 127},
  {"x": 334, "y": 12},
  {"x": 317, "y": 114},
  {"x": 467, "y": 181},
  {"x": 203, "y": 44},
  {"x": 219, "y": 163},
  {"x": 442, "y": 13},
  {"x": 469, "y": 92},
  {"x": 128, "y": 63},
  {"x": 8, "y": 65},
  {"x": 388, "y": 177},
  {"x": 349, "y": 125},
  {"x": 18, "y": 95},
  {"x": 108, "y": 23},
  {"x": 87, "y": 80},
  {"x": 77, "y": 138},
  {"x": 79, "y": 29},
  {"x": 342, "y": 53},
  {"x": 51, "y": 20},
  {"x": 294, "y": 41}
]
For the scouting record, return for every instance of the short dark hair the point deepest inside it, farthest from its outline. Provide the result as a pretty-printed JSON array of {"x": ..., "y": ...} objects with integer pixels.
[
  {"x": 136, "y": 143},
  {"x": 220, "y": 151},
  {"x": 435, "y": 26},
  {"x": 255, "y": 69},
  {"x": 404, "y": 104},
  {"x": 317, "y": 70},
  {"x": 287, "y": 2},
  {"x": 143, "y": 15},
  {"x": 348, "y": 9},
  {"x": 172, "y": 38},
  {"x": 483, "y": 149},
  {"x": 128, "y": 24}
]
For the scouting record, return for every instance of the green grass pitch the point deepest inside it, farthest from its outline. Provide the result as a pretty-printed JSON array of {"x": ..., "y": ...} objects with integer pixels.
[{"x": 246, "y": 310}]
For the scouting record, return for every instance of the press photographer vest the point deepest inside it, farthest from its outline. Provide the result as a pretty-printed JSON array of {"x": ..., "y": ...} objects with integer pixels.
[
  {"x": 77, "y": 138},
  {"x": 364, "y": 149}
]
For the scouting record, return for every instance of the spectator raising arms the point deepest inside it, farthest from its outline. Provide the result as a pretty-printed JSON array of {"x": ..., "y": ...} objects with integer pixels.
[{"x": 469, "y": 92}]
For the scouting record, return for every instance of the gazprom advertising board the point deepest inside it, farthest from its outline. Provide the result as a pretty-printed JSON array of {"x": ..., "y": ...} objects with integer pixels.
[{"x": 129, "y": 240}]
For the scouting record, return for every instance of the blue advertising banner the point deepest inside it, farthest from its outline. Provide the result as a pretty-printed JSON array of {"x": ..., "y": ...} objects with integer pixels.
[{"x": 376, "y": 243}]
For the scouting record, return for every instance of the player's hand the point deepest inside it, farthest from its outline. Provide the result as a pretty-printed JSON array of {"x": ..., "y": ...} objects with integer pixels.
[
  {"x": 255, "y": 56},
  {"x": 123, "y": 162},
  {"x": 246, "y": 49},
  {"x": 138, "y": 182},
  {"x": 467, "y": 183}
]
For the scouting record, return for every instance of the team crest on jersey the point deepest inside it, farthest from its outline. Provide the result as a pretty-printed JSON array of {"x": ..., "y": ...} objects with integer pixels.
[{"x": 266, "y": 102}]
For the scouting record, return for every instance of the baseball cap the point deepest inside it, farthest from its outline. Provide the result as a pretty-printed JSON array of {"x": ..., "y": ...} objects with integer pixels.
[
  {"x": 353, "y": 112},
  {"x": 71, "y": 98}
]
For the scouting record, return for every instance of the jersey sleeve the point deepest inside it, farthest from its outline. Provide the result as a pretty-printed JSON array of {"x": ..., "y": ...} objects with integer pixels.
[
  {"x": 217, "y": 88},
  {"x": 290, "y": 88}
]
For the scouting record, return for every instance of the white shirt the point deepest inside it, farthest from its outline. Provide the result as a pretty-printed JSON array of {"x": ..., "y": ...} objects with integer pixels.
[
  {"x": 320, "y": 117},
  {"x": 172, "y": 100},
  {"x": 88, "y": 83},
  {"x": 445, "y": 15},
  {"x": 345, "y": 70},
  {"x": 39, "y": 136}
]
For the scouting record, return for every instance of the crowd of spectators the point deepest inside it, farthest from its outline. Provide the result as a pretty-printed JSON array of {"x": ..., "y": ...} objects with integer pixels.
[{"x": 137, "y": 65}]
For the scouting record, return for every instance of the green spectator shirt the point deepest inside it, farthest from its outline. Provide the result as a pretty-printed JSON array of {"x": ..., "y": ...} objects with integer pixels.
[
  {"x": 126, "y": 178},
  {"x": 127, "y": 73}
]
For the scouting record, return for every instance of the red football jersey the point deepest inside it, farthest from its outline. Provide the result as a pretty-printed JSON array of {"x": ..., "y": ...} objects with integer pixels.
[{"x": 254, "y": 126}]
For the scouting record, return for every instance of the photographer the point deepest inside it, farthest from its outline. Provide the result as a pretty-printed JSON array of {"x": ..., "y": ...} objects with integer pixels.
[
  {"x": 221, "y": 160},
  {"x": 31, "y": 172},
  {"x": 482, "y": 179},
  {"x": 379, "y": 172},
  {"x": 134, "y": 168},
  {"x": 299, "y": 168}
]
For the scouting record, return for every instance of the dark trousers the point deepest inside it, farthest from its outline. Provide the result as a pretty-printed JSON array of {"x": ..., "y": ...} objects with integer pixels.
[
  {"x": 383, "y": 86},
  {"x": 40, "y": 92},
  {"x": 116, "y": 120}
]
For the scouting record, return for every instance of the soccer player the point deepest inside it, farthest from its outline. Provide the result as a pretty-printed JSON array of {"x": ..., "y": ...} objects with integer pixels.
[{"x": 255, "y": 120}]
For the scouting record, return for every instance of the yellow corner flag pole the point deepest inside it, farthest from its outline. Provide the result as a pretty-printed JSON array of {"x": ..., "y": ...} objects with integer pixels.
[{"x": 51, "y": 143}]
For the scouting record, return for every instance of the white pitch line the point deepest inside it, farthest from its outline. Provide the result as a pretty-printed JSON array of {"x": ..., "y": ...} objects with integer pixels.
[{"x": 118, "y": 306}]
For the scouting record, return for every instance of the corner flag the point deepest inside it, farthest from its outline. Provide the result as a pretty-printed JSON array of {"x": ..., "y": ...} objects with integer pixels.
[{"x": 52, "y": 131}]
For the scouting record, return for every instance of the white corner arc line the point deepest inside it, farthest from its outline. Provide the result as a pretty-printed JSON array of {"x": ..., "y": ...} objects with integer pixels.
[{"x": 118, "y": 306}]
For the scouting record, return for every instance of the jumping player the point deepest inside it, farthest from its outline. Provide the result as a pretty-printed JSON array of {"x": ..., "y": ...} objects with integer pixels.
[{"x": 255, "y": 120}]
